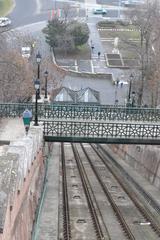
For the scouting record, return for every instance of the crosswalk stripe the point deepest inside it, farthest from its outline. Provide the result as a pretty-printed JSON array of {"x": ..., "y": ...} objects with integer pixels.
[{"x": 118, "y": 29}]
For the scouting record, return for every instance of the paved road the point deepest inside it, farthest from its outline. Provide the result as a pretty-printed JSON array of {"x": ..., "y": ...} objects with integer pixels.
[{"x": 27, "y": 12}]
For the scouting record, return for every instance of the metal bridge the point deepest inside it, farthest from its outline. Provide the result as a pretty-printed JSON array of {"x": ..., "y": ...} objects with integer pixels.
[{"x": 93, "y": 123}]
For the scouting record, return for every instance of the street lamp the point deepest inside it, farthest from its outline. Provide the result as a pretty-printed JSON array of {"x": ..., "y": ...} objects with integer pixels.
[
  {"x": 133, "y": 98},
  {"x": 46, "y": 77},
  {"x": 130, "y": 87},
  {"x": 38, "y": 59},
  {"x": 37, "y": 86},
  {"x": 116, "y": 89}
]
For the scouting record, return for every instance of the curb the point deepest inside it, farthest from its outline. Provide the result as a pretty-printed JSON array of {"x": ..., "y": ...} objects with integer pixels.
[{"x": 107, "y": 76}]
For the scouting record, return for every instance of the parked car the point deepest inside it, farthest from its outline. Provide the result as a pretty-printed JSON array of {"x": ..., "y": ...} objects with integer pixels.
[
  {"x": 26, "y": 52},
  {"x": 4, "y": 21},
  {"x": 99, "y": 11},
  {"x": 130, "y": 3}
]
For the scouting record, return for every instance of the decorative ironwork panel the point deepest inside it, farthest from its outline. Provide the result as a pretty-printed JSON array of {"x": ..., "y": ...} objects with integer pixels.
[
  {"x": 102, "y": 130},
  {"x": 13, "y": 109},
  {"x": 86, "y": 112}
]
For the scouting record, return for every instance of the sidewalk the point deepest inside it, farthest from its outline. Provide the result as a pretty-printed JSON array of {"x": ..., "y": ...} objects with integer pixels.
[{"x": 47, "y": 223}]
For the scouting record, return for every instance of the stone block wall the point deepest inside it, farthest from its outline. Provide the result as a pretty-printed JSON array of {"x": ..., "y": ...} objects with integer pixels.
[
  {"x": 145, "y": 159},
  {"x": 22, "y": 170}
]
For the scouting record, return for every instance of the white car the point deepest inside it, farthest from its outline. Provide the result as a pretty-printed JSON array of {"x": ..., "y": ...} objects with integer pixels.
[
  {"x": 26, "y": 52},
  {"x": 128, "y": 3},
  {"x": 99, "y": 11},
  {"x": 4, "y": 21}
]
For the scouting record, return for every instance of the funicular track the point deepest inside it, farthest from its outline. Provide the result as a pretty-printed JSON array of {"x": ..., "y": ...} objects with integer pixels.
[
  {"x": 88, "y": 171},
  {"x": 89, "y": 196},
  {"x": 66, "y": 216},
  {"x": 147, "y": 197},
  {"x": 68, "y": 211},
  {"x": 116, "y": 209},
  {"x": 133, "y": 196}
]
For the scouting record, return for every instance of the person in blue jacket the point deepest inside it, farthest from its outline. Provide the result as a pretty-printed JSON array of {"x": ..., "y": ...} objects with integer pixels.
[{"x": 27, "y": 117}]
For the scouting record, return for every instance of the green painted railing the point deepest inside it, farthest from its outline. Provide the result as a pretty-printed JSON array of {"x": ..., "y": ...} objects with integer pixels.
[
  {"x": 86, "y": 112},
  {"x": 102, "y": 132}
]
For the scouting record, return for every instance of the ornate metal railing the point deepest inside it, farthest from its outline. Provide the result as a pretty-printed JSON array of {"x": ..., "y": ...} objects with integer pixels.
[
  {"x": 87, "y": 112},
  {"x": 103, "y": 132}
]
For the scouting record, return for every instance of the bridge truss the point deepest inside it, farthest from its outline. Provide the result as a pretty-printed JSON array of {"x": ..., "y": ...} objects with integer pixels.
[
  {"x": 102, "y": 132},
  {"x": 85, "y": 112},
  {"x": 93, "y": 123}
]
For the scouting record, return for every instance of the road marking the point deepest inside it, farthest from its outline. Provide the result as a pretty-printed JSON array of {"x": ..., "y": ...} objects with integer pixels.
[
  {"x": 65, "y": 66},
  {"x": 92, "y": 66},
  {"x": 112, "y": 39},
  {"x": 118, "y": 29},
  {"x": 101, "y": 58},
  {"x": 76, "y": 66},
  {"x": 98, "y": 67}
]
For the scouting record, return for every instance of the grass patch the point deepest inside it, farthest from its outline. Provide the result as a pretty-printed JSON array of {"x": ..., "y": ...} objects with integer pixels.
[
  {"x": 128, "y": 41},
  {"x": 120, "y": 34},
  {"x": 5, "y": 6},
  {"x": 114, "y": 24},
  {"x": 81, "y": 52}
]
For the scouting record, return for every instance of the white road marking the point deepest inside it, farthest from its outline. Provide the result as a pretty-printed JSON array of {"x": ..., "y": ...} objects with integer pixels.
[
  {"x": 76, "y": 65},
  {"x": 92, "y": 67}
]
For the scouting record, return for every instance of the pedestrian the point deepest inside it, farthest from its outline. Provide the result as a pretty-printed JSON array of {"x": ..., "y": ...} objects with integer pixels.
[
  {"x": 99, "y": 54},
  {"x": 121, "y": 84},
  {"x": 92, "y": 47},
  {"x": 27, "y": 117}
]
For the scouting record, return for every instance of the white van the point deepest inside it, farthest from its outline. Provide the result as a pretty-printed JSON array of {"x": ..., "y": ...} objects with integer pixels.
[
  {"x": 4, "y": 21},
  {"x": 26, "y": 52}
]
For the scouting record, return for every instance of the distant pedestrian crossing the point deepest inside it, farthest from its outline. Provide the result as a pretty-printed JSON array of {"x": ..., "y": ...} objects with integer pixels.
[{"x": 95, "y": 56}]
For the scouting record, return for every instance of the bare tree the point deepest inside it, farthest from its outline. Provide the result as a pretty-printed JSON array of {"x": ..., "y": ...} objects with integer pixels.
[
  {"x": 55, "y": 74},
  {"x": 66, "y": 10},
  {"x": 16, "y": 73},
  {"x": 15, "y": 78},
  {"x": 145, "y": 19}
]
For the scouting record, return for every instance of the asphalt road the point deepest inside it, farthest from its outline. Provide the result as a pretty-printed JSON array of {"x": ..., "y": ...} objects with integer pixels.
[{"x": 28, "y": 12}]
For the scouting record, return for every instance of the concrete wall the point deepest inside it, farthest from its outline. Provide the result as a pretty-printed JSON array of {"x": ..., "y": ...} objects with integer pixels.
[
  {"x": 24, "y": 177},
  {"x": 145, "y": 159}
]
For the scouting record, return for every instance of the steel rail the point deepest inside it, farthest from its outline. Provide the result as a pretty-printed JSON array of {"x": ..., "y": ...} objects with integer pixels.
[
  {"x": 133, "y": 196},
  {"x": 116, "y": 209},
  {"x": 150, "y": 200},
  {"x": 85, "y": 184},
  {"x": 66, "y": 215}
]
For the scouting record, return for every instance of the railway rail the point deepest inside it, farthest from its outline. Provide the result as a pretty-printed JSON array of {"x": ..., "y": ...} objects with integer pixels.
[
  {"x": 91, "y": 170},
  {"x": 87, "y": 187},
  {"x": 117, "y": 211},
  {"x": 147, "y": 197},
  {"x": 133, "y": 196},
  {"x": 66, "y": 216}
]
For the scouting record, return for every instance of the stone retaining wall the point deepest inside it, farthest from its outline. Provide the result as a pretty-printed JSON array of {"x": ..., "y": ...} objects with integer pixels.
[
  {"x": 22, "y": 170},
  {"x": 143, "y": 158}
]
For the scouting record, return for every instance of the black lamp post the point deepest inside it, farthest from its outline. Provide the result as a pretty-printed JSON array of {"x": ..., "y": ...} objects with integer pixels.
[
  {"x": 116, "y": 91},
  {"x": 133, "y": 98},
  {"x": 38, "y": 59},
  {"x": 46, "y": 78},
  {"x": 37, "y": 86},
  {"x": 130, "y": 87}
]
